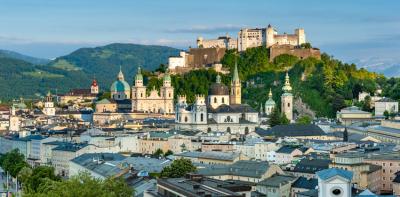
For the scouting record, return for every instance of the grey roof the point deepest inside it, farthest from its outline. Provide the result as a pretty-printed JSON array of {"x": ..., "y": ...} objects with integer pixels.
[
  {"x": 305, "y": 183},
  {"x": 309, "y": 193},
  {"x": 312, "y": 166},
  {"x": 234, "y": 108},
  {"x": 70, "y": 147},
  {"x": 329, "y": 173},
  {"x": 385, "y": 100},
  {"x": 147, "y": 164},
  {"x": 286, "y": 149},
  {"x": 277, "y": 181},
  {"x": 243, "y": 168},
  {"x": 100, "y": 163},
  {"x": 292, "y": 130},
  {"x": 210, "y": 155},
  {"x": 198, "y": 188}
]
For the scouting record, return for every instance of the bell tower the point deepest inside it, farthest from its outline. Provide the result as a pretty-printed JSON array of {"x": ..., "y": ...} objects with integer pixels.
[
  {"x": 236, "y": 94},
  {"x": 287, "y": 99}
]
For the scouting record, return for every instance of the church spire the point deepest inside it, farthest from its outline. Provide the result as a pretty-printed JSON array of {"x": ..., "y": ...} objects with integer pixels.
[
  {"x": 235, "y": 73},
  {"x": 120, "y": 74},
  {"x": 270, "y": 93},
  {"x": 287, "y": 87}
]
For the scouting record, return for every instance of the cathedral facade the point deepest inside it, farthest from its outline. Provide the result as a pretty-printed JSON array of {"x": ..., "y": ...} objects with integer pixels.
[
  {"x": 161, "y": 102},
  {"x": 221, "y": 111}
]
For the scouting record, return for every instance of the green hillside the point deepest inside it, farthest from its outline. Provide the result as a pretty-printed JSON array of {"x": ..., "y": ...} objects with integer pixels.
[
  {"x": 325, "y": 85},
  {"x": 104, "y": 62},
  {"x": 20, "y": 78},
  {"x": 18, "y": 56}
]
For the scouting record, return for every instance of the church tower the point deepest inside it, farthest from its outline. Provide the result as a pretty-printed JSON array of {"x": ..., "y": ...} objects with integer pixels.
[
  {"x": 138, "y": 92},
  {"x": 269, "y": 104},
  {"x": 287, "y": 99},
  {"x": 49, "y": 108},
  {"x": 167, "y": 93},
  {"x": 236, "y": 95},
  {"x": 94, "y": 88}
]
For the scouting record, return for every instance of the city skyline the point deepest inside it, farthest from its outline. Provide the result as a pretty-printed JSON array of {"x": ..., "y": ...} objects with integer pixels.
[{"x": 346, "y": 30}]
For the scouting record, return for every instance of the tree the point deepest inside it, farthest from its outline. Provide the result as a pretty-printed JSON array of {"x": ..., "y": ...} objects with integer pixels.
[
  {"x": 304, "y": 120},
  {"x": 386, "y": 114},
  {"x": 306, "y": 45},
  {"x": 158, "y": 153},
  {"x": 367, "y": 104},
  {"x": 13, "y": 162},
  {"x": 178, "y": 168},
  {"x": 274, "y": 118},
  {"x": 284, "y": 119},
  {"x": 168, "y": 153},
  {"x": 37, "y": 177},
  {"x": 83, "y": 185}
]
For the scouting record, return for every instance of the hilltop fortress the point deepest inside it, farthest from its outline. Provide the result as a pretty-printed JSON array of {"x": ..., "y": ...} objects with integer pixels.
[
  {"x": 249, "y": 38},
  {"x": 209, "y": 52}
]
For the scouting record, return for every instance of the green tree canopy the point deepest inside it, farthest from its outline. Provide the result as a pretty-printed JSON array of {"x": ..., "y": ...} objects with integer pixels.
[
  {"x": 178, "y": 168},
  {"x": 13, "y": 162},
  {"x": 304, "y": 120},
  {"x": 83, "y": 185}
]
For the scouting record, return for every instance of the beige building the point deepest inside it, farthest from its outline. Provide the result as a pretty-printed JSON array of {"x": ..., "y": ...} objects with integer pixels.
[
  {"x": 255, "y": 37},
  {"x": 386, "y": 104},
  {"x": 390, "y": 164},
  {"x": 156, "y": 102},
  {"x": 352, "y": 114},
  {"x": 365, "y": 175}
]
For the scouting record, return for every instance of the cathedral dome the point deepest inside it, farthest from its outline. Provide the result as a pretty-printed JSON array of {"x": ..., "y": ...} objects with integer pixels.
[
  {"x": 218, "y": 88},
  {"x": 120, "y": 86}
]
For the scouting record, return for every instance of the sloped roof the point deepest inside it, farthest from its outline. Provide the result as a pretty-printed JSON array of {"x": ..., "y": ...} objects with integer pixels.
[
  {"x": 312, "y": 165},
  {"x": 277, "y": 180},
  {"x": 385, "y": 100},
  {"x": 329, "y": 173},
  {"x": 243, "y": 168},
  {"x": 305, "y": 183},
  {"x": 210, "y": 155},
  {"x": 292, "y": 130}
]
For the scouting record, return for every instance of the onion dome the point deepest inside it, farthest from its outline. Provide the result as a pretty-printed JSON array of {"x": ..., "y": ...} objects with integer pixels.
[
  {"x": 139, "y": 75},
  {"x": 218, "y": 88},
  {"x": 287, "y": 88},
  {"x": 120, "y": 85},
  {"x": 270, "y": 101}
]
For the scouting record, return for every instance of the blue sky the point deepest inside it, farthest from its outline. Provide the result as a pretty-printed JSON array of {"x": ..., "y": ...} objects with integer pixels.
[{"x": 349, "y": 30}]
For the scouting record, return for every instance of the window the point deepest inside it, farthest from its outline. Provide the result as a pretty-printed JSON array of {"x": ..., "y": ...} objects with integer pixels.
[
  {"x": 288, "y": 104},
  {"x": 186, "y": 119},
  {"x": 223, "y": 100},
  {"x": 215, "y": 100},
  {"x": 201, "y": 117}
]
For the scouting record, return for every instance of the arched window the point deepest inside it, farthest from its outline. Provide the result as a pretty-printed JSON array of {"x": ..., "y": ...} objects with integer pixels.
[
  {"x": 215, "y": 100},
  {"x": 228, "y": 130},
  {"x": 288, "y": 104},
  {"x": 141, "y": 94},
  {"x": 186, "y": 119},
  {"x": 201, "y": 117},
  {"x": 223, "y": 100}
]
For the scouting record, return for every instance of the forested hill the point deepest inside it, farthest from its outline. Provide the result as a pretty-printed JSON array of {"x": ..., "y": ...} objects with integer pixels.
[
  {"x": 19, "y": 78},
  {"x": 325, "y": 85}
]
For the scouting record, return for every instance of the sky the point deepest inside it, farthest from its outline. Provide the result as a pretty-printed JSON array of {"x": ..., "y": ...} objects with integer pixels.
[{"x": 349, "y": 30}]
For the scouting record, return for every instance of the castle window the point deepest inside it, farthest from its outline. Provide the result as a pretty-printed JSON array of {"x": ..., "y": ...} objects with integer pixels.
[
  {"x": 215, "y": 100},
  {"x": 223, "y": 100},
  {"x": 201, "y": 117}
]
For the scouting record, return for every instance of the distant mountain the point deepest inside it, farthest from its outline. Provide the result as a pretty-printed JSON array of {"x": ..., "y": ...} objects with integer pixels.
[
  {"x": 387, "y": 67},
  {"x": 15, "y": 55},
  {"x": 21, "y": 78},
  {"x": 104, "y": 62}
]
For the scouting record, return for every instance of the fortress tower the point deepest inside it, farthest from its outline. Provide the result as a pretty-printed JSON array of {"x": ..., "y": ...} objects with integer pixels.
[{"x": 287, "y": 99}]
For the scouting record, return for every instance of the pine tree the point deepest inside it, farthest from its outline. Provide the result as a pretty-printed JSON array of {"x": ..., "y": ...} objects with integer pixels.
[{"x": 274, "y": 117}]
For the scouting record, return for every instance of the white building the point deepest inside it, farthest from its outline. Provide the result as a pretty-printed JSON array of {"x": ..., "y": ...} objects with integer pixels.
[
  {"x": 177, "y": 61},
  {"x": 386, "y": 104},
  {"x": 221, "y": 112},
  {"x": 334, "y": 182},
  {"x": 49, "y": 109}
]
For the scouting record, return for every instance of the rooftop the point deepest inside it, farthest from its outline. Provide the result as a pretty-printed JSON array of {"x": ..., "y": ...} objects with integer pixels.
[
  {"x": 254, "y": 169},
  {"x": 211, "y": 155},
  {"x": 277, "y": 181},
  {"x": 329, "y": 173},
  {"x": 99, "y": 163},
  {"x": 292, "y": 130}
]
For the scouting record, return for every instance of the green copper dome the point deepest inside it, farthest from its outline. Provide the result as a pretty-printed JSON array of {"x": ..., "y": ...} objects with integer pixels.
[
  {"x": 167, "y": 77},
  {"x": 120, "y": 86},
  {"x": 139, "y": 75}
]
